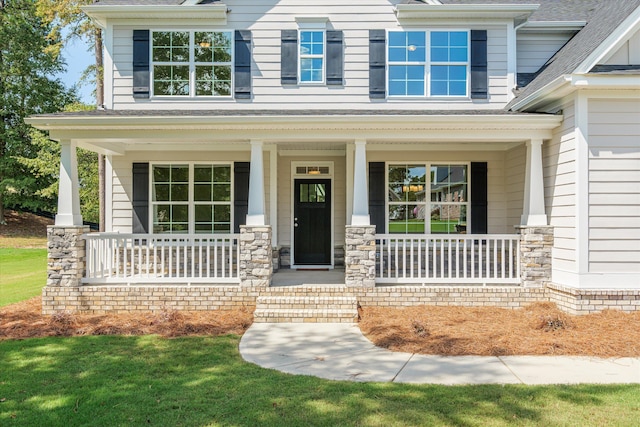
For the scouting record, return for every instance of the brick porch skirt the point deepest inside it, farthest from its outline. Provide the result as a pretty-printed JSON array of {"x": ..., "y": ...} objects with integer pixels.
[{"x": 101, "y": 299}]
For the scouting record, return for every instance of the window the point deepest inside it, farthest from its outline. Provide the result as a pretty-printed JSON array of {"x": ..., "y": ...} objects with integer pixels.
[
  {"x": 409, "y": 207},
  {"x": 311, "y": 56},
  {"x": 191, "y": 198},
  {"x": 191, "y": 63},
  {"x": 428, "y": 63}
]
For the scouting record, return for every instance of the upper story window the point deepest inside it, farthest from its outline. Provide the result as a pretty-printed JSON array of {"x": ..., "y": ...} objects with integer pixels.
[
  {"x": 312, "y": 56},
  {"x": 428, "y": 63},
  {"x": 192, "y": 63}
]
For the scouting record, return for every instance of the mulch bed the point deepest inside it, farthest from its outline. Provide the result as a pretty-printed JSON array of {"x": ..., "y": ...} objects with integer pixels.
[
  {"x": 538, "y": 329},
  {"x": 24, "y": 320}
]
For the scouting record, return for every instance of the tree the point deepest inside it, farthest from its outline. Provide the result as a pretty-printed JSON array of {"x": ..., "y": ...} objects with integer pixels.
[
  {"x": 29, "y": 56},
  {"x": 67, "y": 14}
]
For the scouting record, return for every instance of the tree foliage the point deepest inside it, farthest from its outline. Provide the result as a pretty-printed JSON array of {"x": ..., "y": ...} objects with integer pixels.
[{"x": 29, "y": 58}]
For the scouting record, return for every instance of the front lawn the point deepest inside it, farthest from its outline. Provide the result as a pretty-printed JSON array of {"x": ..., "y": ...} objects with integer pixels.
[
  {"x": 23, "y": 274},
  {"x": 202, "y": 381}
]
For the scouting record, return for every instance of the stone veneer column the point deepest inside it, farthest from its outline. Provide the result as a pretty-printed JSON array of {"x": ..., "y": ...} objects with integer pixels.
[
  {"x": 256, "y": 266},
  {"x": 536, "y": 244},
  {"x": 360, "y": 256},
  {"x": 67, "y": 252}
]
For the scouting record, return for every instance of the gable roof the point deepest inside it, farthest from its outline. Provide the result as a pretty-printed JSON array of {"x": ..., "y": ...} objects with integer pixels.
[{"x": 602, "y": 24}]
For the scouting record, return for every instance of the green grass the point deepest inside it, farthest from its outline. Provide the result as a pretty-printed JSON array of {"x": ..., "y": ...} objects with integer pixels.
[
  {"x": 134, "y": 381},
  {"x": 23, "y": 274}
]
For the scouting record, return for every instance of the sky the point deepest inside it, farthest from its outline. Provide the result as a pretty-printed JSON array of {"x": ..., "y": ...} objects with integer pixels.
[{"x": 78, "y": 57}]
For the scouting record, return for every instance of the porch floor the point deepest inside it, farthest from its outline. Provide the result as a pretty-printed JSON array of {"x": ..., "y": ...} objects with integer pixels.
[{"x": 288, "y": 277}]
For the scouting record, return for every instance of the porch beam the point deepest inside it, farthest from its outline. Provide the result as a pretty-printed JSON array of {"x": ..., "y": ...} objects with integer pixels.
[
  {"x": 533, "y": 209},
  {"x": 256, "y": 208},
  {"x": 68, "y": 189},
  {"x": 360, "y": 215}
]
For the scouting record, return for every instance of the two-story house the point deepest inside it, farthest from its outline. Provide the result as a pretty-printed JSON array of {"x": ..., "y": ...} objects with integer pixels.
[{"x": 439, "y": 151}]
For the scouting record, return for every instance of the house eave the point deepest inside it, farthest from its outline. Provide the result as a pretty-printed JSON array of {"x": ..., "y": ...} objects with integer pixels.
[
  {"x": 465, "y": 11},
  {"x": 101, "y": 14}
]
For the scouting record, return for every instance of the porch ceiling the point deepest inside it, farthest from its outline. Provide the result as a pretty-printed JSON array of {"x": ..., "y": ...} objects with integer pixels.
[{"x": 115, "y": 132}]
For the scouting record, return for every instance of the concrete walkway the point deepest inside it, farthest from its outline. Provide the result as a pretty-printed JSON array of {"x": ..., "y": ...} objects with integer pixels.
[{"x": 341, "y": 352}]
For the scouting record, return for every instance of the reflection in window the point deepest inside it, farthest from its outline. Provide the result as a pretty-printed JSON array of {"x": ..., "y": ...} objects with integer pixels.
[
  {"x": 409, "y": 206},
  {"x": 313, "y": 193}
]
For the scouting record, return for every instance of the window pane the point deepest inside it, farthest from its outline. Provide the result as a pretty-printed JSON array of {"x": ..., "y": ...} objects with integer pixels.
[
  {"x": 161, "y": 173},
  {"x": 222, "y": 228},
  {"x": 180, "y": 213},
  {"x": 320, "y": 193},
  {"x": 222, "y": 173},
  {"x": 406, "y": 219},
  {"x": 222, "y": 213},
  {"x": 221, "y": 193},
  {"x": 203, "y": 213},
  {"x": 161, "y": 193},
  {"x": 202, "y": 192},
  {"x": 304, "y": 193},
  {"x": 458, "y": 55},
  {"x": 458, "y": 88},
  {"x": 180, "y": 174},
  {"x": 202, "y": 173},
  {"x": 204, "y": 228}
]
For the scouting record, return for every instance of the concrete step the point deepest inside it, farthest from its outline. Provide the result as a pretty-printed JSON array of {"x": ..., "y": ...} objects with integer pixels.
[{"x": 309, "y": 309}]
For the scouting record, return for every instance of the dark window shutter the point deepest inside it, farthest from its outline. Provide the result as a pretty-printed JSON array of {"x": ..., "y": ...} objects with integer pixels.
[
  {"x": 141, "y": 63},
  {"x": 240, "y": 194},
  {"x": 140, "y": 220},
  {"x": 478, "y": 198},
  {"x": 377, "y": 196},
  {"x": 377, "y": 64},
  {"x": 479, "y": 79},
  {"x": 242, "y": 64},
  {"x": 335, "y": 68},
  {"x": 289, "y": 57}
]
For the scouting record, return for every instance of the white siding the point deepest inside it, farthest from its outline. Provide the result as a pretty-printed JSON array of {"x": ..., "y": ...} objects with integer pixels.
[
  {"x": 534, "y": 49},
  {"x": 628, "y": 54},
  {"x": 354, "y": 18},
  {"x": 614, "y": 185},
  {"x": 559, "y": 162}
]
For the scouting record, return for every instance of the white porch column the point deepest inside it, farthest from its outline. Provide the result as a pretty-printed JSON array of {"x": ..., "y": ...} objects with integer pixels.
[
  {"x": 533, "y": 211},
  {"x": 68, "y": 192},
  {"x": 360, "y": 215},
  {"x": 256, "y": 208}
]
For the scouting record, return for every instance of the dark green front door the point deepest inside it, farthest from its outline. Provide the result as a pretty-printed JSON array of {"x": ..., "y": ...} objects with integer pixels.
[{"x": 312, "y": 222}]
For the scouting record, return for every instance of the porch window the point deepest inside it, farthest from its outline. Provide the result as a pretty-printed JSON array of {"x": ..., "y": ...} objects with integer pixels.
[
  {"x": 428, "y": 63},
  {"x": 410, "y": 209},
  {"x": 191, "y": 198},
  {"x": 191, "y": 63}
]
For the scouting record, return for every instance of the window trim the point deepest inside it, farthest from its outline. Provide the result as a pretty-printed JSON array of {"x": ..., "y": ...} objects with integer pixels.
[
  {"x": 428, "y": 203},
  {"x": 191, "y": 203},
  {"x": 191, "y": 64},
  {"x": 312, "y": 29},
  {"x": 428, "y": 63}
]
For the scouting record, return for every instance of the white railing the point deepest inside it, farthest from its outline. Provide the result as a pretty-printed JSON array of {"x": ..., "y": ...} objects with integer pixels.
[
  {"x": 162, "y": 258},
  {"x": 448, "y": 259}
]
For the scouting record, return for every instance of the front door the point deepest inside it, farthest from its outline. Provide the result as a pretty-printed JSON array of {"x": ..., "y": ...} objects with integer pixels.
[{"x": 312, "y": 222}]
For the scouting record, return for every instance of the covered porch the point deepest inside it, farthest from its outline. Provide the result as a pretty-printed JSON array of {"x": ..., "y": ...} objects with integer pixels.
[{"x": 245, "y": 258}]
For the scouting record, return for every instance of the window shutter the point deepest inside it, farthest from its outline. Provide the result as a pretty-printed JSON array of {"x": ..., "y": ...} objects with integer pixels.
[
  {"x": 141, "y": 63},
  {"x": 479, "y": 81},
  {"x": 289, "y": 57},
  {"x": 140, "y": 219},
  {"x": 478, "y": 198},
  {"x": 377, "y": 64},
  {"x": 335, "y": 68},
  {"x": 242, "y": 64},
  {"x": 377, "y": 196},
  {"x": 240, "y": 194}
]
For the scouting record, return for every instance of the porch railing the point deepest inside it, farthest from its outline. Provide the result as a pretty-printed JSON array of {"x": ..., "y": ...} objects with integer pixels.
[
  {"x": 162, "y": 258},
  {"x": 458, "y": 259}
]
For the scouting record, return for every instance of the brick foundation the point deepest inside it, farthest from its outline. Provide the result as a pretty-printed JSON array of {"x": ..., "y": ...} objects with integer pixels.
[{"x": 584, "y": 301}]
